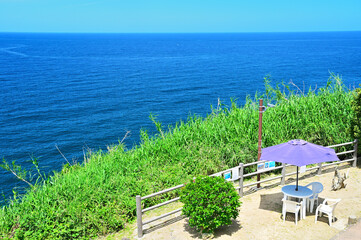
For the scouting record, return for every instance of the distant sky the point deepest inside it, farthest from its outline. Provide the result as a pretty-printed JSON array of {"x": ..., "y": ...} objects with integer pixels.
[{"x": 128, "y": 16}]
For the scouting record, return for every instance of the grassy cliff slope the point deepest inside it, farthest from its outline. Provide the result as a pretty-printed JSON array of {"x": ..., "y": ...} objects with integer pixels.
[{"x": 98, "y": 196}]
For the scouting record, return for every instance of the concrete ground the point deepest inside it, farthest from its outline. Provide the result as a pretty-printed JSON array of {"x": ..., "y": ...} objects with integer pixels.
[{"x": 353, "y": 232}]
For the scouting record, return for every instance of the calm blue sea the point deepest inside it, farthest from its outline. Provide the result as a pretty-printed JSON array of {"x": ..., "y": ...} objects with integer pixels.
[{"x": 82, "y": 91}]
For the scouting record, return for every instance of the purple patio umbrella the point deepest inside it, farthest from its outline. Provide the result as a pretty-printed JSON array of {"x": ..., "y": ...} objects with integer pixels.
[{"x": 299, "y": 153}]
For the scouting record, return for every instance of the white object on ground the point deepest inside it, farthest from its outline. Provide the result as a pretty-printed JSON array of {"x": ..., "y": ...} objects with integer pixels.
[
  {"x": 316, "y": 188},
  {"x": 293, "y": 207},
  {"x": 327, "y": 208}
]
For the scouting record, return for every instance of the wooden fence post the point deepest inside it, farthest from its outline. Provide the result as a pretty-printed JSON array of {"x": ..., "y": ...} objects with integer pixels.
[
  {"x": 319, "y": 168},
  {"x": 355, "y": 153},
  {"x": 240, "y": 174},
  {"x": 139, "y": 216},
  {"x": 283, "y": 179}
]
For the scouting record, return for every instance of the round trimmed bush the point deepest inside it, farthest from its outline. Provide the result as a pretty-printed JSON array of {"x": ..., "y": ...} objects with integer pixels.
[{"x": 210, "y": 202}]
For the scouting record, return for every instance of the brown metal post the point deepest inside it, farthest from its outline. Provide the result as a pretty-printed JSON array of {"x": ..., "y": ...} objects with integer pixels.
[{"x": 259, "y": 137}]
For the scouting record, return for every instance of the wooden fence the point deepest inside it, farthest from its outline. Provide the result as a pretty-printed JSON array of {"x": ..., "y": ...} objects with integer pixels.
[{"x": 238, "y": 175}]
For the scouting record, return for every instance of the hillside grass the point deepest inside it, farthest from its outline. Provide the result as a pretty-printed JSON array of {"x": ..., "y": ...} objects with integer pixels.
[{"x": 97, "y": 196}]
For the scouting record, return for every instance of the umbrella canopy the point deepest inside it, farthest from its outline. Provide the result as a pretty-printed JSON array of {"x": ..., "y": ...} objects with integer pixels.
[{"x": 299, "y": 153}]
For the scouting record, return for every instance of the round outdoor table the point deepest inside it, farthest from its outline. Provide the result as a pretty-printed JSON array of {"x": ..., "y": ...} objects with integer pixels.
[{"x": 303, "y": 192}]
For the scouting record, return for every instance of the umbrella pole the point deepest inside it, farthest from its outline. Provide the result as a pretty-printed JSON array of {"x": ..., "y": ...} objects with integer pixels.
[{"x": 297, "y": 180}]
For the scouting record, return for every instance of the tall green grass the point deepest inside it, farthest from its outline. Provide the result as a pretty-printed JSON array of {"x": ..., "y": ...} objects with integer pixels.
[{"x": 98, "y": 196}]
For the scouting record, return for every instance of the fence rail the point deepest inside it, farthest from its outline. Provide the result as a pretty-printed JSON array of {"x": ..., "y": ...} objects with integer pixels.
[{"x": 239, "y": 176}]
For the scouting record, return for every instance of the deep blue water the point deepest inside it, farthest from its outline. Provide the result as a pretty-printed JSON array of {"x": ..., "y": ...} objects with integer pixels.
[{"x": 86, "y": 90}]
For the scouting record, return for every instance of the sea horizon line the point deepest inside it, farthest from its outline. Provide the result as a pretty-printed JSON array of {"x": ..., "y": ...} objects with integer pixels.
[{"x": 250, "y": 32}]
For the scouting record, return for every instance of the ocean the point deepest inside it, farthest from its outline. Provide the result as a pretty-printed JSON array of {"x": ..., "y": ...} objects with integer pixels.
[{"x": 86, "y": 91}]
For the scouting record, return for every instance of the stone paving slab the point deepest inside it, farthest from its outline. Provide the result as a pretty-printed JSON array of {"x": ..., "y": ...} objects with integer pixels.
[{"x": 353, "y": 232}]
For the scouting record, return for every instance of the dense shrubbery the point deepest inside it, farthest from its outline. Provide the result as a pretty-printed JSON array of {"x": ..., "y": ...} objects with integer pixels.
[
  {"x": 98, "y": 196},
  {"x": 210, "y": 202},
  {"x": 356, "y": 119}
]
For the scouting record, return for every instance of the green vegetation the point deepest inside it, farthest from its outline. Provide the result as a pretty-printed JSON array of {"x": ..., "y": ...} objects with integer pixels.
[
  {"x": 210, "y": 202},
  {"x": 98, "y": 196},
  {"x": 355, "y": 128}
]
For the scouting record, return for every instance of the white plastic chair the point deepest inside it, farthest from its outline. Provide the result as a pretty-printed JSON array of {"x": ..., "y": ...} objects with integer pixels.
[
  {"x": 316, "y": 188},
  {"x": 327, "y": 208},
  {"x": 293, "y": 207}
]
